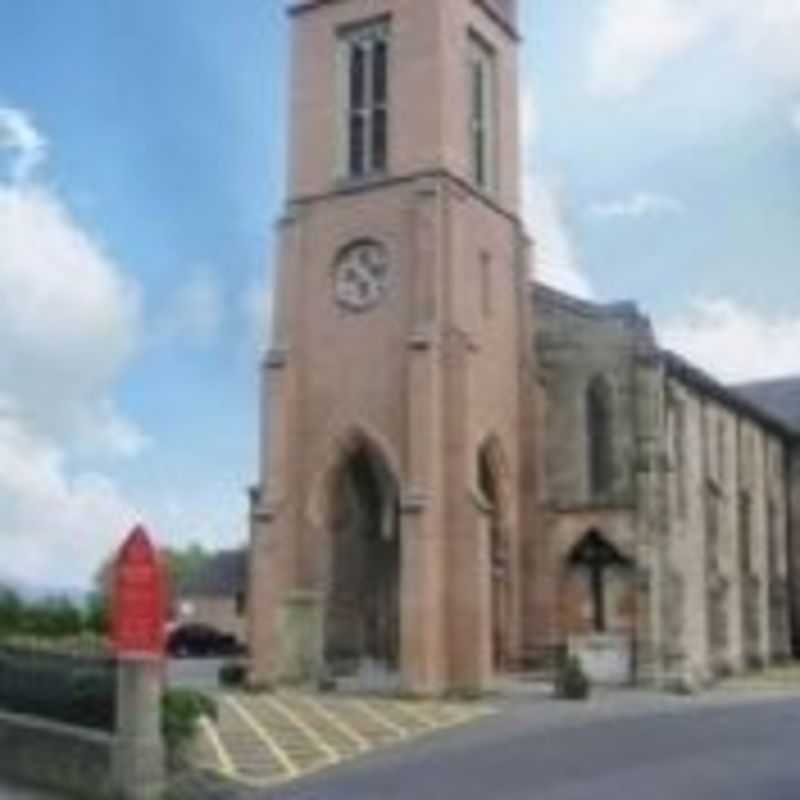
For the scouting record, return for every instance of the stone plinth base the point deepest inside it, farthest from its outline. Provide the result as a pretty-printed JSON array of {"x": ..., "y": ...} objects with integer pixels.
[{"x": 300, "y": 626}]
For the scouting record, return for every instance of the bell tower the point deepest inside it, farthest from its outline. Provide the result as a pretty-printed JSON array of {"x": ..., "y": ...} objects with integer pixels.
[{"x": 388, "y": 525}]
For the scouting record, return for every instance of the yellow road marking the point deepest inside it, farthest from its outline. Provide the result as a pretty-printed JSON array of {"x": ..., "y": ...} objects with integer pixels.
[
  {"x": 245, "y": 780},
  {"x": 381, "y": 720},
  {"x": 280, "y": 754},
  {"x": 348, "y": 731},
  {"x": 469, "y": 714},
  {"x": 330, "y": 753},
  {"x": 227, "y": 767},
  {"x": 414, "y": 713}
]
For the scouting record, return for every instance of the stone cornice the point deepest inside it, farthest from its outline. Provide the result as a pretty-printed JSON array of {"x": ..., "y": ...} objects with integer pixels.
[
  {"x": 509, "y": 27},
  {"x": 414, "y": 502},
  {"x": 441, "y": 173}
]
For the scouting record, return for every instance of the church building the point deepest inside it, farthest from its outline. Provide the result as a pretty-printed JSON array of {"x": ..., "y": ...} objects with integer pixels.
[
  {"x": 462, "y": 473},
  {"x": 667, "y": 504}
]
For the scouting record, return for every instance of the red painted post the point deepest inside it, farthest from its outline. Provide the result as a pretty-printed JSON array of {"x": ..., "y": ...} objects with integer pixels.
[
  {"x": 138, "y": 606},
  {"x": 139, "y": 598}
]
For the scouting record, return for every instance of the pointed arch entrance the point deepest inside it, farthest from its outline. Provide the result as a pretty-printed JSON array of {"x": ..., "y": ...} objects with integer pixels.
[
  {"x": 362, "y": 610},
  {"x": 491, "y": 477},
  {"x": 606, "y": 577}
]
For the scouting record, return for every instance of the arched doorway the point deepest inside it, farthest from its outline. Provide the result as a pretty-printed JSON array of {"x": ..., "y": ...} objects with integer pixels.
[
  {"x": 362, "y": 621},
  {"x": 604, "y": 569},
  {"x": 489, "y": 483},
  {"x": 600, "y": 607}
]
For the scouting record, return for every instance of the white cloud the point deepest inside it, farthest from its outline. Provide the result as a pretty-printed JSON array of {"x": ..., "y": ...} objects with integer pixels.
[
  {"x": 70, "y": 321},
  {"x": 555, "y": 258},
  {"x": 106, "y": 429},
  {"x": 196, "y": 312},
  {"x": 21, "y": 142},
  {"x": 640, "y": 204},
  {"x": 69, "y": 318},
  {"x": 635, "y": 41},
  {"x": 735, "y": 343},
  {"x": 57, "y": 527},
  {"x": 766, "y": 33}
]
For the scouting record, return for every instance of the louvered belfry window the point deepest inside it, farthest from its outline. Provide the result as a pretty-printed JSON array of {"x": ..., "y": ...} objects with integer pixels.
[
  {"x": 366, "y": 66},
  {"x": 482, "y": 110}
]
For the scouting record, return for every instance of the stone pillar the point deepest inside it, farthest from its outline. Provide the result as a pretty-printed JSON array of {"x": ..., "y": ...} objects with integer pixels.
[
  {"x": 422, "y": 657},
  {"x": 652, "y": 584},
  {"x": 300, "y": 632},
  {"x": 273, "y": 513},
  {"x": 421, "y": 588},
  {"x": 420, "y": 601},
  {"x": 262, "y": 597},
  {"x": 139, "y": 755},
  {"x": 538, "y": 590},
  {"x": 469, "y": 570}
]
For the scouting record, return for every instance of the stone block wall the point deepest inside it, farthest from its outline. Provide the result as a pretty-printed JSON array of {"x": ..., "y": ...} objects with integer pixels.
[
  {"x": 727, "y": 557},
  {"x": 699, "y": 498},
  {"x": 578, "y": 342},
  {"x": 56, "y": 757},
  {"x": 793, "y": 472}
]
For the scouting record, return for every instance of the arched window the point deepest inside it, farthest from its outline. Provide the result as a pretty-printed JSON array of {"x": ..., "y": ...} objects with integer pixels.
[{"x": 599, "y": 435}]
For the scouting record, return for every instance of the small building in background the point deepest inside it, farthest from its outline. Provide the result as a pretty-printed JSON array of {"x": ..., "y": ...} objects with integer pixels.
[{"x": 215, "y": 595}]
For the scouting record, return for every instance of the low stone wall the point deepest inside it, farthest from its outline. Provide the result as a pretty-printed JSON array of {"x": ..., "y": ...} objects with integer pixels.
[{"x": 71, "y": 761}]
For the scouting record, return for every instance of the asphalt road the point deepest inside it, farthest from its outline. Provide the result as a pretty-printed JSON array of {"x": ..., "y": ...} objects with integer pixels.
[{"x": 741, "y": 752}]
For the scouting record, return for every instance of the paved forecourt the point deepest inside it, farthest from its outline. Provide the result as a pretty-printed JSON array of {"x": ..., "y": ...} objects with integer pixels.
[{"x": 261, "y": 740}]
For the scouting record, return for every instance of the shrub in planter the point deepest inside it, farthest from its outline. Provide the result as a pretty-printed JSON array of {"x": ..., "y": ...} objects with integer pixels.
[
  {"x": 182, "y": 710},
  {"x": 232, "y": 674},
  {"x": 571, "y": 681}
]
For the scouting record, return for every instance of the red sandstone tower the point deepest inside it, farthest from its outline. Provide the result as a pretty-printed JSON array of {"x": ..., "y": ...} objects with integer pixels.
[{"x": 392, "y": 524}]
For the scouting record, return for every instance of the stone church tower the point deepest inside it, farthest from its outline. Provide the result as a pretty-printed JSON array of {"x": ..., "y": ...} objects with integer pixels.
[{"x": 393, "y": 519}]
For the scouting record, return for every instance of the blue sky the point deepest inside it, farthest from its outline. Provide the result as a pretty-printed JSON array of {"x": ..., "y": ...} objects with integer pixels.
[{"x": 142, "y": 167}]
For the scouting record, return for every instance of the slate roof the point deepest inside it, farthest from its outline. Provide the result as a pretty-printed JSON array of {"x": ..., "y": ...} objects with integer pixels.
[
  {"x": 780, "y": 398},
  {"x": 732, "y": 396},
  {"x": 225, "y": 575}
]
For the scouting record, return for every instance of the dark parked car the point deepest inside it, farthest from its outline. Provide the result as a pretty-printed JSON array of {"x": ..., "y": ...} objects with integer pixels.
[{"x": 199, "y": 641}]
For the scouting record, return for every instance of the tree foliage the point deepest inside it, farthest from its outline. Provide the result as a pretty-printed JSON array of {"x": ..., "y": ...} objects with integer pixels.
[
  {"x": 49, "y": 617},
  {"x": 181, "y": 564},
  {"x": 11, "y": 610},
  {"x": 58, "y": 617}
]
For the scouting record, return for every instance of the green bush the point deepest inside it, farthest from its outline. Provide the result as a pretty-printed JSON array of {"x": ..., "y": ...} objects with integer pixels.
[
  {"x": 51, "y": 617},
  {"x": 95, "y": 617},
  {"x": 182, "y": 710},
  {"x": 572, "y": 682},
  {"x": 11, "y": 610}
]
